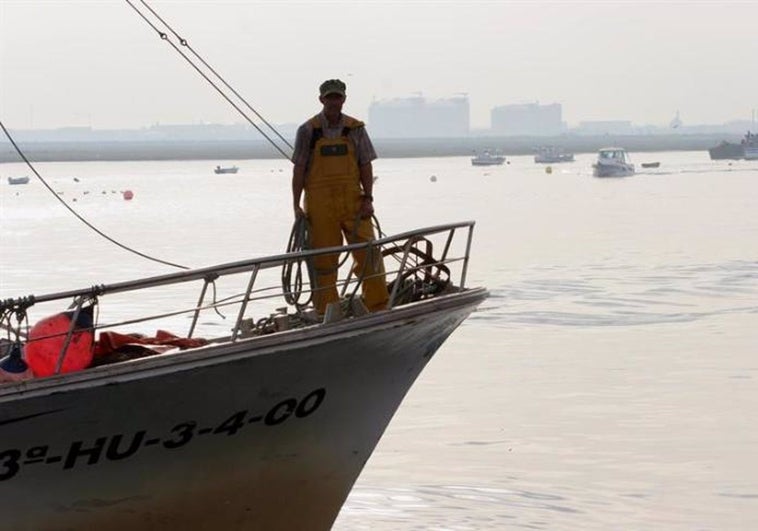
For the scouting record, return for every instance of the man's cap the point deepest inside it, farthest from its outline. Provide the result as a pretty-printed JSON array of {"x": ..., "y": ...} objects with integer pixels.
[{"x": 332, "y": 86}]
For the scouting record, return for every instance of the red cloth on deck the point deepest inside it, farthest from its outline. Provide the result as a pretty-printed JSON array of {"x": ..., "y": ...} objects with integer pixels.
[{"x": 109, "y": 342}]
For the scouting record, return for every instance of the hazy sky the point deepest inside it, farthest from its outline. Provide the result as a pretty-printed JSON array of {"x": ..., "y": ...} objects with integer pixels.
[{"x": 74, "y": 62}]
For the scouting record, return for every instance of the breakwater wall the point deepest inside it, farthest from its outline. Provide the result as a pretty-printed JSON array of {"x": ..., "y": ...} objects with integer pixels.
[{"x": 86, "y": 150}]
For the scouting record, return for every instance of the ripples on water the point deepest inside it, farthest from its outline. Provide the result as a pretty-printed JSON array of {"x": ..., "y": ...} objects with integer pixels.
[
  {"x": 625, "y": 296},
  {"x": 477, "y": 507}
]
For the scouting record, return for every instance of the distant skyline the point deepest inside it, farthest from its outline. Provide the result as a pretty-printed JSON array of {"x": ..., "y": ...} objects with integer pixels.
[{"x": 96, "y": 63}]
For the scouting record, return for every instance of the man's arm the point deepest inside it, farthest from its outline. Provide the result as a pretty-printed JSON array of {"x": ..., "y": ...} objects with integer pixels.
[
  {"x": 366, "y": 154},
  {"x": 298, "y": 182},
  {"x": 367, "y": 183},
  {"x": 300, "y": 158}
]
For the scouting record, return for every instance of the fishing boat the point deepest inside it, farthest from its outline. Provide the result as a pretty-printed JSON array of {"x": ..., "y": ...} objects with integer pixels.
[
  {"x": 551, "y": 155},
  {"x": 488, "y": 158},
  {"x": 727, "y": 151},
  {"x": 227, "y": 169},
  {"x": 612, "y": 162},
  {"x": 216, "y": 398},
  {"x": 750, "y": 146},
  {"x": 747, "y": 149},
  {"x": 263, "y": 425},
  {"x": 18, "y": 180}
]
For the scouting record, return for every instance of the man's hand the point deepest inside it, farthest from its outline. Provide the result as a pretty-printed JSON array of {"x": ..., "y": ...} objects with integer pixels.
[{"x": 367, "y": 208}]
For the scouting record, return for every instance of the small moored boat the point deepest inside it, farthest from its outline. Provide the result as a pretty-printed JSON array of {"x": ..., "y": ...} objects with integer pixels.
[
  {"x": 552, "y": 154},
  {"x": 228, "y": 169},
  {"x": 18, "y": 180},
  {"x": 488, "y": 158}
]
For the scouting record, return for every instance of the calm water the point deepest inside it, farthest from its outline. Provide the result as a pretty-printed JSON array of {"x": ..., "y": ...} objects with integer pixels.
[{"x": 610, "y": 382}]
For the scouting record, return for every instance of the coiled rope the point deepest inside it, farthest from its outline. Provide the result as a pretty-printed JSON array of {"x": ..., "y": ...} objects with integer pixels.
[{"x": 292, "y": 270}]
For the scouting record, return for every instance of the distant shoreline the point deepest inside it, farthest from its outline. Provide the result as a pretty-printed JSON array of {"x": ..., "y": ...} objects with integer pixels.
[{"x": 130, "y": 150}]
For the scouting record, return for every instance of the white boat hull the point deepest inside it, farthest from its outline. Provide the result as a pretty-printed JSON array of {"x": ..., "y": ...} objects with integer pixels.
[
  {"x": 265, "y": 433},
  {"x": 613, "y": 170}
]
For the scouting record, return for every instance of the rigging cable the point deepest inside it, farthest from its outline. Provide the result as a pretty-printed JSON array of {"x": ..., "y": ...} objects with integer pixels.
[
  {"x": 183, "y": 42},
  {"x": 75, "y": 213}
]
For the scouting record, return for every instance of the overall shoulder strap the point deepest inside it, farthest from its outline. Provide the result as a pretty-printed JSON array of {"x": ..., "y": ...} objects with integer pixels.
[{"x": 317, "y": 132}]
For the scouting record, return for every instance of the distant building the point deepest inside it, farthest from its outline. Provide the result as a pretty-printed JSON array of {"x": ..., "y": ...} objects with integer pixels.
[
  {"x": 529, "y": 119},
  {"x": 417, "y": 117}
]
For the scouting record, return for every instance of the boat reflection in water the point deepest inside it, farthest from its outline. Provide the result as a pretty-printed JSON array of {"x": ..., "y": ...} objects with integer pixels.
[{"x": 264, "y": 426}]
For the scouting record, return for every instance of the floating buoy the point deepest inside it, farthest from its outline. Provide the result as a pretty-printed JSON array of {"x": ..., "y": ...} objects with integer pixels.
[
  {"x": 433, "y": 178},
  {"x": 47, "y": 338},
  {"x": 549, "y": 169},
  {"x": 128, "y": 194},
  {"x": 13, "y": 368}
]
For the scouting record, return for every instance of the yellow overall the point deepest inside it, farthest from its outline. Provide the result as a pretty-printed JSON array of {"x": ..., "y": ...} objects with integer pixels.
[{"x": 332, "y": 204}]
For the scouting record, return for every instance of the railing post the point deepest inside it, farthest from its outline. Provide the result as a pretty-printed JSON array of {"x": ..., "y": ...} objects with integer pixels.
[
  {"x": 208, "y": 279},
  {"x": 464, "y": 269},
  {"x": 406, "y": 251},
  {"x": 69, "y": 335},
  {"x": 245, "y": 300}
]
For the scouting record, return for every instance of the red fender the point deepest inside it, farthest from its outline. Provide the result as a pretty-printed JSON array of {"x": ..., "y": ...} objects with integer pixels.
[{"x": 46, "y": 340}]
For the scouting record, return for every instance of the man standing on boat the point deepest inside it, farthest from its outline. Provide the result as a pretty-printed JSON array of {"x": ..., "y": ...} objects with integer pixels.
[{"x": 332, "y": 159}]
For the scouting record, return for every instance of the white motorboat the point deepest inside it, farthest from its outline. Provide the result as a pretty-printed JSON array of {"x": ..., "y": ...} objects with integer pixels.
[
  {"x": 488, "y": 158},
  {"x": 613, "y": 162},
  {"x": 265, "y": 425}
]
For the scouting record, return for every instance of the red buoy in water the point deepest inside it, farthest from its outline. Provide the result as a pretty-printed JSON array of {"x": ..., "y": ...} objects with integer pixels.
[
  {"x": 128, "y": 194},
  {"x": 47, "y": 337}
]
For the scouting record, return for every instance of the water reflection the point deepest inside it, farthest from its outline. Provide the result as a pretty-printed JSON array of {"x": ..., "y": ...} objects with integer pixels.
[
  {"x": 625, "y": 296},
  {"x": 449, "y": 507}
]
